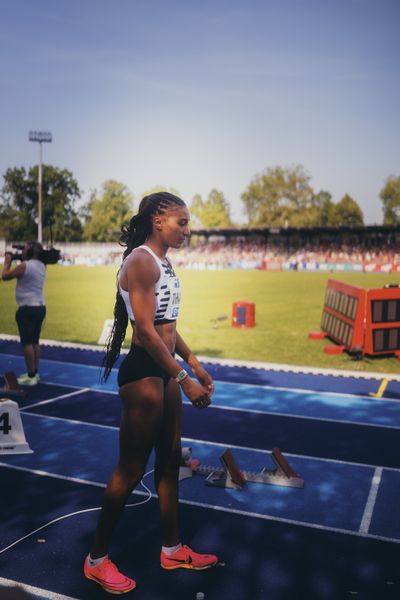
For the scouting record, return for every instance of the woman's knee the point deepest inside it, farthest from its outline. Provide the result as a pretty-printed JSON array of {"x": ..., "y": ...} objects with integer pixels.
[
  {"x": 170, "y": 460},
  {"x": 131, "y": 473}
]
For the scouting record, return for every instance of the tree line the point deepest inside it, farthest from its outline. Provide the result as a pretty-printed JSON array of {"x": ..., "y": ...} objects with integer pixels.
[{"x": 277, "y": 197}]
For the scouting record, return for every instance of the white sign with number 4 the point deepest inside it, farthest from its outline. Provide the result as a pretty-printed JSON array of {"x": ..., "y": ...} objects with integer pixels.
[{"x": 12, "y": 436}]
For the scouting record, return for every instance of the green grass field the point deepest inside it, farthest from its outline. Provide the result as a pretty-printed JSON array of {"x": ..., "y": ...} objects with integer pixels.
[{"x": 288, "y": 306}]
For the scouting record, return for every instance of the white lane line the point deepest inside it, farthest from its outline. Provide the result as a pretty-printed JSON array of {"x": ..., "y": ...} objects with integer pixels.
[
  {"x": 243, "y": 409},
  {"x": 218, "y": 444},
  {"x": 52, "y": 475},
  {"x": 292, "y": 521},
  {"x": 289, "y": 454},
  {"x": 34, "y": 590},
  {"x": 267, "y": 366},
  {"x": 296, "y": 416},
  {"x": 249, "y": 385},
  {"x": 50, "y": 400},
  {"x": 232, "y": 510},
  {"x": 306, "y": 391},
  {"x": 262, "y": 366},
  {"x": 73, "y": 421},
  {"x": 370, "y": 505},
  {"x": 55, "y": 361},
  {"x": 62, "y": 477}
]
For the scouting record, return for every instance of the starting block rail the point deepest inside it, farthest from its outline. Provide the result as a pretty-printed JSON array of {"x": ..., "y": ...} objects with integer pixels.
[{"x": 230, "y": 476}]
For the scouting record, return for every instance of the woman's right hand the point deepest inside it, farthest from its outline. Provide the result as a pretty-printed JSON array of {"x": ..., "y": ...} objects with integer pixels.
[{"x": 198, "y": 396}]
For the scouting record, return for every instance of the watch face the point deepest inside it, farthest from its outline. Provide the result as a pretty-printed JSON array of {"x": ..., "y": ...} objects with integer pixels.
[{"x": 181, "y": 375}]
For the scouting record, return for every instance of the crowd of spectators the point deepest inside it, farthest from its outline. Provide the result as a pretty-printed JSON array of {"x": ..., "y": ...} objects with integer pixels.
[
  {"x": 272, "y": 256},
  {"x": 267, "y": 255},
  {"x": 220, "y": 255}
]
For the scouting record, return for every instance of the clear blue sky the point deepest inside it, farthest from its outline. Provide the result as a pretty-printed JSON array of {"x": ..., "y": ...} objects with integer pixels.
[{"x": 197, "y": 95}]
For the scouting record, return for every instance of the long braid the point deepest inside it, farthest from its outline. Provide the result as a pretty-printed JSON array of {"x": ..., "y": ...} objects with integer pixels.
[{"x": 133, "y": 235}]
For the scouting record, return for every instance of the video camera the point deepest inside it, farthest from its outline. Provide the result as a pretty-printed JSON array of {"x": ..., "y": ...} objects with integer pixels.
[{"x": 48, "y": 256}]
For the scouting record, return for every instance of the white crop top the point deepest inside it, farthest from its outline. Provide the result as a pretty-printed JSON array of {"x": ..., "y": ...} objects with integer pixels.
[{"x": 167, "y": 292}]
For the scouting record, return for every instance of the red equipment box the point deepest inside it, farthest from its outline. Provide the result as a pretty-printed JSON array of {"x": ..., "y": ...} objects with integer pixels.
[{"x": 243, "y": 314}]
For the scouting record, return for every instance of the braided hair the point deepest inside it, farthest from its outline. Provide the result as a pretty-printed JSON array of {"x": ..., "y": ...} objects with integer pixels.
[{"x": 133, "y": 235}]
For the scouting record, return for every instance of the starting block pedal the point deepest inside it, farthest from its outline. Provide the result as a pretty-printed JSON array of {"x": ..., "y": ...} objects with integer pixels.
[
  {"x": 230, "y": 476},
  {"x": 283, "y": 474},
  {"x": 11, "y": 386},
  {"x": 12, "y": 436}
]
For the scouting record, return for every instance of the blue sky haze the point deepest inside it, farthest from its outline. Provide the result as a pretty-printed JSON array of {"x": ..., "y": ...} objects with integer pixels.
[{"x": 201, "y": 95}]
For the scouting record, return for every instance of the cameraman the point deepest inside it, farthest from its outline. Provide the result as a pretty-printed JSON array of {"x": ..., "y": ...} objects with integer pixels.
[{"x": 30, "y": 274}]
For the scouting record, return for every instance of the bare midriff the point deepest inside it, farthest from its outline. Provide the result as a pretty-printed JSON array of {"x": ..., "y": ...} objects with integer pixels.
[{"x": 166, "y": 331}]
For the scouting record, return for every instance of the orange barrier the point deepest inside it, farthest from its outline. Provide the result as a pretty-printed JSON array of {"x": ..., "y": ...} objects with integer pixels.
[
  {"x": 362, "y": 321},
  {"x": 343, "y": 314}
]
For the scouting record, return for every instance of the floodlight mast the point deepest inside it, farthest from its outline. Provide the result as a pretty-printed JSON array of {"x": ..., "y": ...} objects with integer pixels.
[{"x": 40, "y": 137}]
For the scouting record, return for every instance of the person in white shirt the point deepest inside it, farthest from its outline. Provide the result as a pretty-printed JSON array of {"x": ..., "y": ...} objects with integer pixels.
[{"x": 30, "y": 274}]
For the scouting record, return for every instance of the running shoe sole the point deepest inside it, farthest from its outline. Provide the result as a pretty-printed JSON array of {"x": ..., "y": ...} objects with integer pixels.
[
  {"x": 189, "y": 566},
  {"x": 108, "y": 589}
]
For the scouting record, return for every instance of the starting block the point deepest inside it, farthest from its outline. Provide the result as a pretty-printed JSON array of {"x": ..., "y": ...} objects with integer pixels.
[
  {"x": 231, "y": 476},
  {"x": 188, "y": 464},
  {"x": 12, "y": 436},
  {"x": 11, "y": 386}
]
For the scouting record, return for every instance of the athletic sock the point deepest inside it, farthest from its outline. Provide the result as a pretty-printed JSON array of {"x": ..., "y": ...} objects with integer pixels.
[
  {"x": 171, "y": 549},
  {"x": 32, "y": 374},
  {"x": 94, "y": 562}
]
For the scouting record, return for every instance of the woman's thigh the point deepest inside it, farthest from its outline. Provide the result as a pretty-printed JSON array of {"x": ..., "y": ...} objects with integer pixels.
[
  {"x": 141, "y": 418},
  {"x": 169, "y": 437}
]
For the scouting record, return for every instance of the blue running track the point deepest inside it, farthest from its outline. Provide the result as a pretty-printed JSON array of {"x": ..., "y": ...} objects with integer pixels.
[{"x": 338, "y": 537}]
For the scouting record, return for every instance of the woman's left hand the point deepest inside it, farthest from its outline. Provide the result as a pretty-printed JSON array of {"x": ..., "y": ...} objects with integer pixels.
[{"x": 204, "y": 378}]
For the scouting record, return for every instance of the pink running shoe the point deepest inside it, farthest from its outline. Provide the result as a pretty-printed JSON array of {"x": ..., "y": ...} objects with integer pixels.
[
  {"x": 185, "y": 558},
  {"x": 108, "y": 577}
]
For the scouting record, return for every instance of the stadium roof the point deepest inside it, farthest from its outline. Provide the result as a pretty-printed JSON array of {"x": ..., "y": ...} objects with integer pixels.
[{"x": 363, "y": 230}]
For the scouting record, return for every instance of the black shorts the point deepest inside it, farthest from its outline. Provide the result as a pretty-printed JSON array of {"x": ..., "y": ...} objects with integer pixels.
[
  {"x": 138, "y": 364},
  {"x": 29, "y": 320}
]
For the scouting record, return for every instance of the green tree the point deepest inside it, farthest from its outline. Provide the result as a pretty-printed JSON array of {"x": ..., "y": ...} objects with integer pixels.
[
  {"x": 214, "y": 212},
  {"x": 19, "y": 204},
  {"x": 322, "y": 202},
  {"x": 196, "y": 209},
  {"x": 347, "y": 212},
  {"x": 16, "y": 225},
  {"x": 280, "y": 196},
  {"x": 390, "y": 196},
  {"x": 107, "y": 212}
]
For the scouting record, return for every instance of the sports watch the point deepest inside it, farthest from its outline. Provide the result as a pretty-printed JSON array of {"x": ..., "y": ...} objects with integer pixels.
[{"x": 182, "y": 375}]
